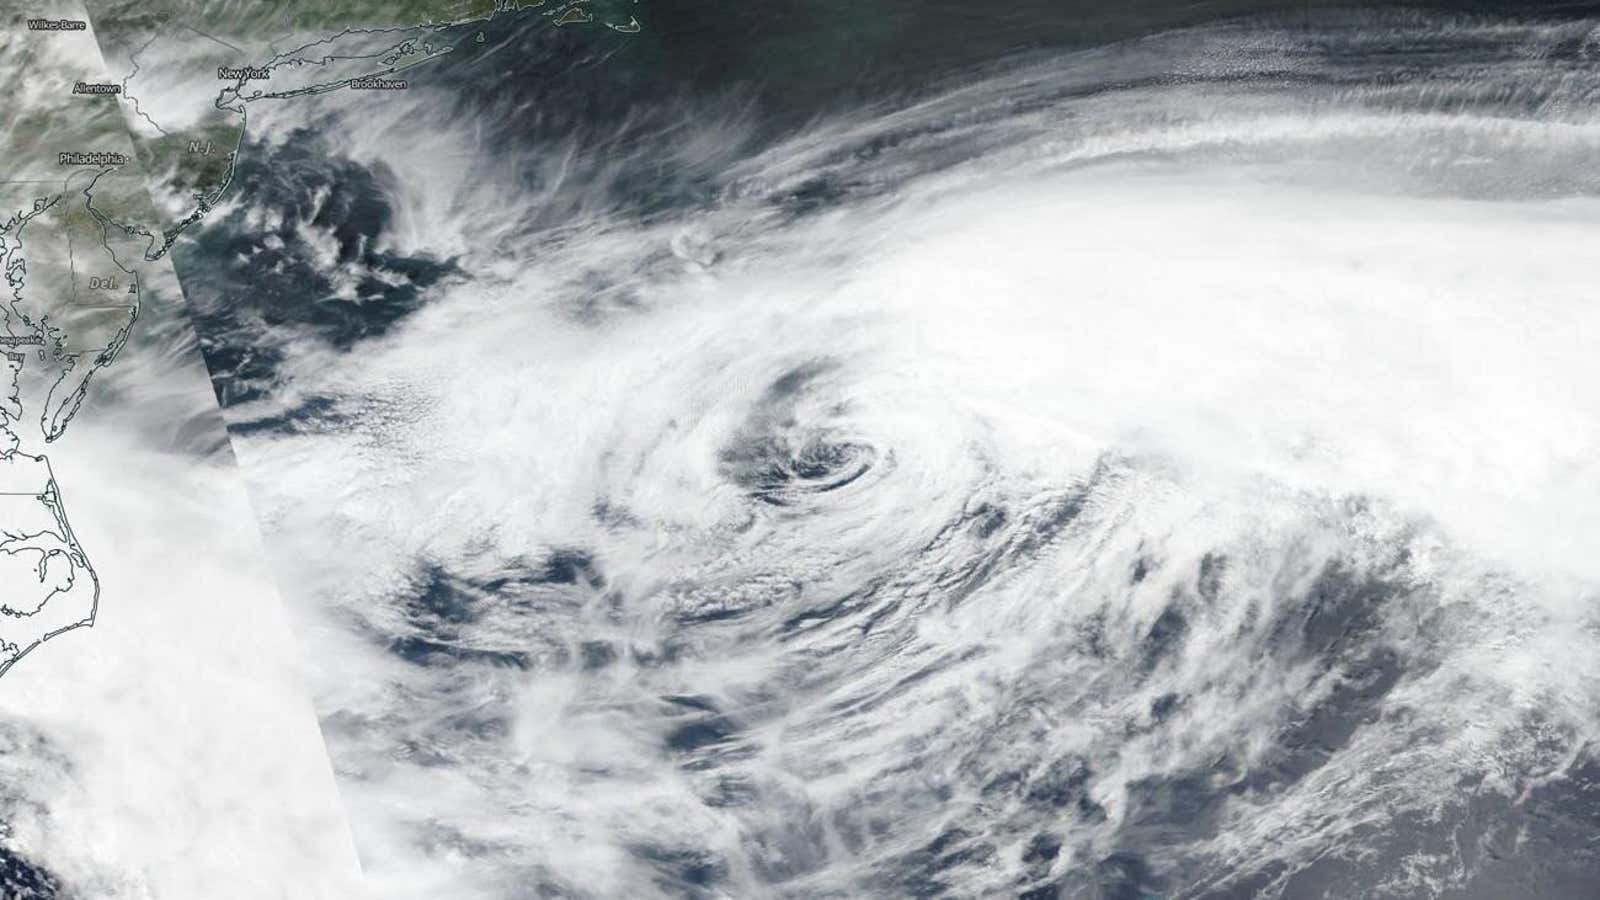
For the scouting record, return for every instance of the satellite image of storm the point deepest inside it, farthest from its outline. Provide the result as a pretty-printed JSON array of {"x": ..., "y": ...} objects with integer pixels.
[{"x": 799, "y": 449}]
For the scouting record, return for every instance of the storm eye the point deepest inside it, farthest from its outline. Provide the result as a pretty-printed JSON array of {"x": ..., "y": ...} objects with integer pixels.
[
  {"x": 820, "y": 461},
  {"x": 822, "y": 466},
  {"x": 778, "y": 470},
  {"x": 796, "y": 444}
]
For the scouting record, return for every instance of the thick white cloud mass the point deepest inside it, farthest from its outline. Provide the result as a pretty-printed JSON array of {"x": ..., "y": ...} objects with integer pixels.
[
  {"x": 168, "y": 751},
  {"x": 1169, "y": 466}
]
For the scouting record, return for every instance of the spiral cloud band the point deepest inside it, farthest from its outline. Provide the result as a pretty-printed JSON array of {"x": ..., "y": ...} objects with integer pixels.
[{"x": 1167, "y": 467}]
